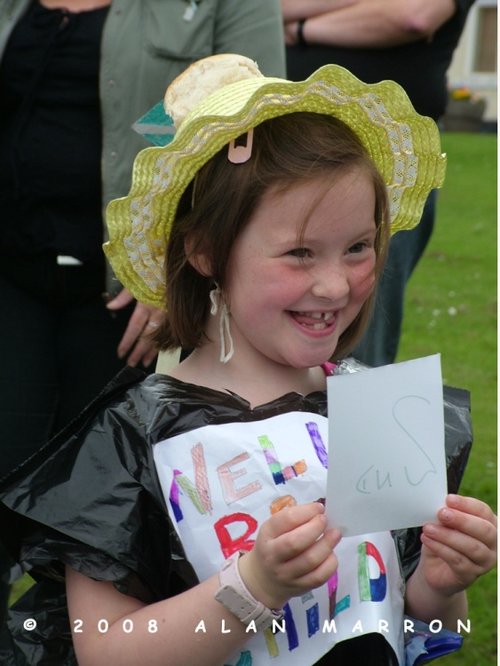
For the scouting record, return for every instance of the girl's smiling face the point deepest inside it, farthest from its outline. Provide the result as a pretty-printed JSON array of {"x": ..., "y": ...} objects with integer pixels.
[{"x": 300, "y": 271}]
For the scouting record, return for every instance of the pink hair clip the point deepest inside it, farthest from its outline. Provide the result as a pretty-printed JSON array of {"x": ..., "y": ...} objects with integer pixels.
[{"x": 241, "y": 153}]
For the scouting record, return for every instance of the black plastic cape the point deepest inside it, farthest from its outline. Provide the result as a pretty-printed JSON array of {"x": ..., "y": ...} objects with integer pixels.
[{"x": 90, "y": 498}]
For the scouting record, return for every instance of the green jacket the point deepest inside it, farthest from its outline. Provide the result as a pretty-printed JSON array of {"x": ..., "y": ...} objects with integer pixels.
[{"x": 146, "y": 44}]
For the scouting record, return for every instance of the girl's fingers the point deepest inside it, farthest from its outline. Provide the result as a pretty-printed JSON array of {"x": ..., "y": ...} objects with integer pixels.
[
  {"x": 292, "y": 517},
  {"x": 462, "y": 567},
  {"x": 292, "y": 544},
  {"x": 318, "y": 576},
  {"x": 311, "y": 557},
  {"x": 472, "y": 506},
  {"x": 478, "y": 525},
  {"x": 295, "y": 551},
  {"x": 270, "y": 578},
  {"x": 291, "y": 531},
  {"x": 308, "y": 568},
  {"x": 458, "y": 548}
]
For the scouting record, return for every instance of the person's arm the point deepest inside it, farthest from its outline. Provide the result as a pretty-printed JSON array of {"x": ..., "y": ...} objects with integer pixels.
[
  {"x": 162, "y": 633},
  {"x": 293, "y": 10},
  {"x": 375, "y": 23},
  {"x": 455, "y": 551},
  {"x": 293, "y": 553}
]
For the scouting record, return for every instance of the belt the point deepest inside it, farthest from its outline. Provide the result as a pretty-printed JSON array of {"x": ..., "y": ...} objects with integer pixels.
[{"x": 67, "y": 260}]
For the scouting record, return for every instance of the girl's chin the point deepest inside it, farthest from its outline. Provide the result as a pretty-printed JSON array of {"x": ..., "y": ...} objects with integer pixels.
[{"x": 309, "y": 360}]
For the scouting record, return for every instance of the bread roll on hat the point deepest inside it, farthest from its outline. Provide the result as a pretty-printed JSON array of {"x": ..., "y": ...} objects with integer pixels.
[{"x": 204, "y": 77}]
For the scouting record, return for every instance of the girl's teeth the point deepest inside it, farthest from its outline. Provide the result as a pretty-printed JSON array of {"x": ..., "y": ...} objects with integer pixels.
[
  {"x": 326, "y": 316},
  {"x": 316, "y": 321}
]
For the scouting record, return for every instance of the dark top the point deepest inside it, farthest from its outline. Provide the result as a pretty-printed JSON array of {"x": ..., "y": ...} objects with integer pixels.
[
  {"x": 420, "y": 67},
  {"x": 50, "y": 135}
]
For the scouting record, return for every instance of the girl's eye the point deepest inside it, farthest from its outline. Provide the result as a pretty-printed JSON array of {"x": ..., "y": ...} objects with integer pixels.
[
  {"x": 300, "y": 252},
  {"x": 358, "y": 247}
]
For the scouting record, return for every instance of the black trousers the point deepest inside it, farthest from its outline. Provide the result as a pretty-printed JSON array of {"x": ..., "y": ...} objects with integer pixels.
[{"x": 57, "y": 350}]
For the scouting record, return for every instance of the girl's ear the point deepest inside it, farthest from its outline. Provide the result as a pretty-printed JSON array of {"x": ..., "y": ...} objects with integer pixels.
[{"x": 198, "y": 260}]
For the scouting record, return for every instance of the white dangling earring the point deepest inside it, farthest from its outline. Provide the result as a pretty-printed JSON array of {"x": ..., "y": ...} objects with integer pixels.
[{"x": 217, "y": 301}]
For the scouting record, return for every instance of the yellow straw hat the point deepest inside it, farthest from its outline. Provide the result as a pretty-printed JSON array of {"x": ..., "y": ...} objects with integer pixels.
[{"x": 404, "y": 146}]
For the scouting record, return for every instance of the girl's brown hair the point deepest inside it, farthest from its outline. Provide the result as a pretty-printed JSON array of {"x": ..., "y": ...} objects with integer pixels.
[{"x": 220, "y": 202}]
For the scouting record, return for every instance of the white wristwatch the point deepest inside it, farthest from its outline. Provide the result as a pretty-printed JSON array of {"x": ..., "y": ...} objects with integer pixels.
[{"x": 234, "y": 596}]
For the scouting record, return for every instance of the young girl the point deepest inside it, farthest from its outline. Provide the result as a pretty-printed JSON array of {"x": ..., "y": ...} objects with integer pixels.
[{"x": 183, "y": 507}]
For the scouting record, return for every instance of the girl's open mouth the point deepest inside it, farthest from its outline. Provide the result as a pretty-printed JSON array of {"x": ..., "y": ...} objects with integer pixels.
[{"x": 315, "y": 321}]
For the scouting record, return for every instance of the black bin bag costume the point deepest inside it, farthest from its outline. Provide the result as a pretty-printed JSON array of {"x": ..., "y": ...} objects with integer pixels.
[{"x": 91, "y": 499}]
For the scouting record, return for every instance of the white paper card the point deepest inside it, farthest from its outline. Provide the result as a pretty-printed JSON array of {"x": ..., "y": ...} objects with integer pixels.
[{"x": 387, "y": 464}]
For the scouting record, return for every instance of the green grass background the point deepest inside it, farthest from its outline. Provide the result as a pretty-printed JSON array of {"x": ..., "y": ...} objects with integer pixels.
[{"x": 451, "y": 309}]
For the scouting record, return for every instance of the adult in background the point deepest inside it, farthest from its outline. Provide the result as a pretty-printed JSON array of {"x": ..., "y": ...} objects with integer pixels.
[
  {"x": 411, "y": 43},
  {"x": 74, "y": 76}
]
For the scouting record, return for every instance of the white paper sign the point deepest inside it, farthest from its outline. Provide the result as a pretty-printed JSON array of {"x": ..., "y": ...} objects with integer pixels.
[
  {"x": 221, "y": 482},
  {"x": 387, "y": 465}
]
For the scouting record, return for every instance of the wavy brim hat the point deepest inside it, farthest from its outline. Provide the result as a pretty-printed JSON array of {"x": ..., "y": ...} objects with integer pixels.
[{"x": 404, "y": 146}]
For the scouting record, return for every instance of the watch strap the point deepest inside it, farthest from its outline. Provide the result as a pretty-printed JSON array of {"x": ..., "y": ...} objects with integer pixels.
[{"x": 234, "y": 595}]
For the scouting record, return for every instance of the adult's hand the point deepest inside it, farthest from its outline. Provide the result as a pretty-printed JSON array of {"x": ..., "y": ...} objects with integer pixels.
[{"x": 137, "y": 341}]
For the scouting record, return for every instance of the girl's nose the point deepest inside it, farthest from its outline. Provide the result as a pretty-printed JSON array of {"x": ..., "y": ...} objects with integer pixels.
[{"x": 331, "y": 283}]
